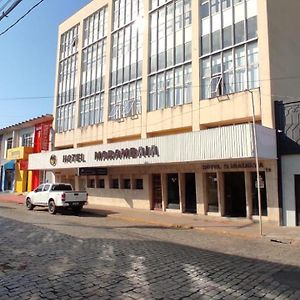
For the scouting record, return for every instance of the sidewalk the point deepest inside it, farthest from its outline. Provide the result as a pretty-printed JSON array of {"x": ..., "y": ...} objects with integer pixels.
[{"x": 242, "y": 228}]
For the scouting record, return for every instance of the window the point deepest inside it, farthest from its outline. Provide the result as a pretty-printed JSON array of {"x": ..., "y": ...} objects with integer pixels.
[
  {"x": 127, "y": 183},
  {"x": 139, "y": 184},
  {"x": 39, "y": 188},
  {"x": 170, "y": 54},
  {"x": 27, "y": 140},
  {"x": 114, "y": 183},
  {"x": 9, "y": 143},
  {"x": 93, "y": 69},
  {"x": 46, "y": 187},
  {"x": 127, "y": 56},
  {"x": 61, "y": 187},
  {"x": 170, "y": 88},
  {"x": 229, "y": 51},
  {"x": 100, "y": 183},
  {"x": 91, "y": 183},
  {"x": 65, "y": 103}
]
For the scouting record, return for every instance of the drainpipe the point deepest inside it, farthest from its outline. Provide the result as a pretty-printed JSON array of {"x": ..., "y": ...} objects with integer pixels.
[{"x": 279, "y": 129}]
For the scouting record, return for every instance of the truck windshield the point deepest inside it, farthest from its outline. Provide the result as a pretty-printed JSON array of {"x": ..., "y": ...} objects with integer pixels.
[{"x": 61, "y": 187}]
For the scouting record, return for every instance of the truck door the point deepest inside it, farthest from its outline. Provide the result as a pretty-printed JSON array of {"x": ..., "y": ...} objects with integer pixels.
[
  {"x": 45, "y": 194},
  {"x": 36, "y": 196}
]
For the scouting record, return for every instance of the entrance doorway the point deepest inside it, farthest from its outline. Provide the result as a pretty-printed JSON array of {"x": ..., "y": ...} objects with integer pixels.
[
  {"x": 9, "y": 180},
  {"x": 297, "y": 199},
  {"x": 156, "y": 192},
  {"x": 190, "y": 193},
  {"x": 173, "y": 191},
  {"x": 235, "y": 196}
]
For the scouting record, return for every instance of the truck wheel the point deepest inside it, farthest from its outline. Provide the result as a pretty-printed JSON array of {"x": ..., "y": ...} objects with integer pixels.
[
  {"x": 52, "y": 207},
  {"x": 29, "y": 205}
]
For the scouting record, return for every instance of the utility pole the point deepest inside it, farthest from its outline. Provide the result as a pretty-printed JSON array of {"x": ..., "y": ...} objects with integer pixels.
[
  {"x": 10, "y": 9},
  {"x": 257, "y": 164}
]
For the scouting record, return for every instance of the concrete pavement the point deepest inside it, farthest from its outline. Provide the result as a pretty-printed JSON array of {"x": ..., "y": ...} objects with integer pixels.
[{"x": 239, "y": 227}]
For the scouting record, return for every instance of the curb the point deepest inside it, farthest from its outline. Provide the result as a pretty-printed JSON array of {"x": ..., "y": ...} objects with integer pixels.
[
  {"x": 182, "y": 226},
  {"x": 219, "y": 231}
]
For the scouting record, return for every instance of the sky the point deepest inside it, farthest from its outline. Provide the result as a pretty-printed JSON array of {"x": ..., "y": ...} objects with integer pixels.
[{"x": 28, "y": 58}]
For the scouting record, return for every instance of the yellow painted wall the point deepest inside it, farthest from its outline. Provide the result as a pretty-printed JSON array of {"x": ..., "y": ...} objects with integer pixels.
[
  {"x": 21, "y": 179},
  {"x": 19, "y": 153},
  {"x": 29, "y": 181}
]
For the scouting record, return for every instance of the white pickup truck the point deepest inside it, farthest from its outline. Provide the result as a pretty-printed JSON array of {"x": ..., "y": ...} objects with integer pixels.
[{"x": 56, "y": 196}]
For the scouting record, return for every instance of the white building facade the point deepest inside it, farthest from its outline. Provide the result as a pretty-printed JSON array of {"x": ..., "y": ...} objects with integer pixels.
[{"x": 155, "y": 102}]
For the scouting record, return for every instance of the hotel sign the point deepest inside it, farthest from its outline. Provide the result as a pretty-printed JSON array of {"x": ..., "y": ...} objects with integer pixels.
[
  {"x": 127, "y": 153},
  {"x": 73, "y": 158},
  {"x": 205, "y": 146},
  {"x": 107, "y": 155}
]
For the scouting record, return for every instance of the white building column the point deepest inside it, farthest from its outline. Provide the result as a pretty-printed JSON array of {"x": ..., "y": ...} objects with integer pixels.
[
  {"x": 164, "y": 191},
  {"x": 221, "y": 194},
  {"x": 201, "y": 193},
  {"x": 181, "y": 186},
  {"x": 248, "y": 190}
]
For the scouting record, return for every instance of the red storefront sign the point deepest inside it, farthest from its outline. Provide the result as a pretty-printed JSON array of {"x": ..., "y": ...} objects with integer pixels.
[{"x": 42, "y": 137}]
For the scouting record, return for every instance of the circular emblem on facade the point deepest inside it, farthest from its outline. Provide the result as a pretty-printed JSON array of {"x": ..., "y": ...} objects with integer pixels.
[{"x": 53, "y": 160}]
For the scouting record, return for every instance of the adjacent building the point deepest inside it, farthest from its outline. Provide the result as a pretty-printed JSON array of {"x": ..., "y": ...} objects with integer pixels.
[
  {"x": 156, "y": 100},
  {"x": 17, "y": 142},
  {"x": 288, "y": 133}
]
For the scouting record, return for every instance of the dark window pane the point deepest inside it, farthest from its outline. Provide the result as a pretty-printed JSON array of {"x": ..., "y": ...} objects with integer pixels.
[
  {"x": 216, "y": 40},
  {"x": 127, "y": 184},
  {"x": 188, "y": 51},
  {"x": 252, "y": 27},
  {"x": 179, "y": 54},
  {"x": 170, "y": 57},
  {"x": 227, "y": 36},
  {"x": 204, "y": 10},
  {"x": 139, "y": 184},
  {"x": 205, "y": 44},
  {"x": 239, "y": 32}
]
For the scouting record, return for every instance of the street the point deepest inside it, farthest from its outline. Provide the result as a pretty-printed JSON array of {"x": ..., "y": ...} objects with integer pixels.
[{"x": 90, "y": 256}]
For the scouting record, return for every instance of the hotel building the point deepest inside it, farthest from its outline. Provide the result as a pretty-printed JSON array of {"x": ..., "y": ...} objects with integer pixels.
[{"x": 155, "y": 103}]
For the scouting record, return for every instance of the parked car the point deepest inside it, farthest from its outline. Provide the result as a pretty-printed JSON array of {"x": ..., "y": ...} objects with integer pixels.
[{"x": 56, "y": 196}]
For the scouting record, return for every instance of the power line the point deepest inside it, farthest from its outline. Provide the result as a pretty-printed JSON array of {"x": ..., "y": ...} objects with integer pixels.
[
  {"x": 10, "y": 9},
  {"x": 26, "y": 98},
  {"x": 28, "y": 12},
  {"x": 5, "y": 4}
]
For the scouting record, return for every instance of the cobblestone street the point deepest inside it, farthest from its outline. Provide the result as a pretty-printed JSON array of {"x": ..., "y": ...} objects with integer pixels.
[{"x": 89, "y": 256}]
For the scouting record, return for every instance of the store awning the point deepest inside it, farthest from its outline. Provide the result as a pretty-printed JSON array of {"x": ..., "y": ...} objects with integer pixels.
[{"x": 9, "y": 165}]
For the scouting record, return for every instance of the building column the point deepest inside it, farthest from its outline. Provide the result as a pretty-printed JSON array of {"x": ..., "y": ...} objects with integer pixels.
[
  {"x": 195, "y": 66},
  {"x": 201, "y": 193},
  {"x": 221, "y": 194},
  {"x": 248, "y": 189},
  {"x": 144, "y": 86},
  {"x": 272, "y": 191},
  {"x": 76, "y": 187},
  {"x": 164, "y": 191},
  {"x": 182, "y": 199}
]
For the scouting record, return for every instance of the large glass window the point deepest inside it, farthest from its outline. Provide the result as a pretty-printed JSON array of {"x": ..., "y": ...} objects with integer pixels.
[
  {"x": 229, "y": 51},
  {"x": 170, "y": 54},
  {"x": 170, "y": 88},
  {"x": 65, "y": 105},
  {"x": 93, "y": 69},
  {"x": 127, "y": 57}
]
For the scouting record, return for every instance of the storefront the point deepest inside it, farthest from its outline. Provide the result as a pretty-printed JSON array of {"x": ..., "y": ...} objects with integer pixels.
[
  {"x": 206, "y": 172},
  {"x": 17, "y": 177}
]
